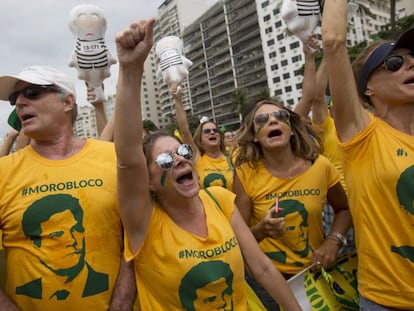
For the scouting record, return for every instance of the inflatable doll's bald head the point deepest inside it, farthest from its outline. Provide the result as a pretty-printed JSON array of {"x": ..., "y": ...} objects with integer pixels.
[{"x": 87, "y": 22}]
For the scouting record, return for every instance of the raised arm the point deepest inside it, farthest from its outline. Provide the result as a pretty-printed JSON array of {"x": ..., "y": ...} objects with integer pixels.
[
  {"x": 182, "y": 121},
  {"x": 349, "y": 115},
  {"x": 319, "y": 106},
  {"x": 133, "y": 45},
  {"x": 8, "y": 142},
  {"x": 309, "y": 84}
]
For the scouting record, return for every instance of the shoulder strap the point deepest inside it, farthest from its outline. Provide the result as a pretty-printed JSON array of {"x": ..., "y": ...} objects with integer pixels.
[{"x": 213, "y": 198}]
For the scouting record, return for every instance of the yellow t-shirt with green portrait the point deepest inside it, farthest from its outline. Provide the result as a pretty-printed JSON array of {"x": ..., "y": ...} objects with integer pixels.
[
  {"x": 379, "y": 170},
  {"x": 61, "y": 228},
  {"x": 302, "y": 199},
  {"x": 178, "y": 270},
  {"x": 215, "y": 172}
]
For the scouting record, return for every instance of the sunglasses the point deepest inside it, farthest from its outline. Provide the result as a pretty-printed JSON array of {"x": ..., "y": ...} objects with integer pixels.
[
  {"x": 280, "y": 115},
  {"x": 208, "y": 131},
  {"x": 165, "y": 160},
  {"x": 33, "y": 92},
  {"x": 393, "y": 63}
]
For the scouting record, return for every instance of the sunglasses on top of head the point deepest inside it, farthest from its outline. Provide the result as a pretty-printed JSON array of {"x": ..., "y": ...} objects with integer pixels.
[
  {"x": 393, "y": 63},
  {"x": 165, "y": 160},
  {"x": 33, "y": 92},
  {"x": 213, "y": 130},
  {"x": 280, "y": 115}
]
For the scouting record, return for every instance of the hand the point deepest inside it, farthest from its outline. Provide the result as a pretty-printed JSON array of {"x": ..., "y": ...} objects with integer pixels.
[
  {"x": 272, "y": 225},
  {"x": 312, "y": 46},
  {"x": 134, "y": 43},
  {"x": 91, "y": 94},
  {"x": 175, "y": 90},
  {"x": 325, "y": 255}
]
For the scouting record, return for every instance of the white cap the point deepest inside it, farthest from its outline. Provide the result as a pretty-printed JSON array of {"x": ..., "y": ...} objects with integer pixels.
[{"x": 39, "y": 75}]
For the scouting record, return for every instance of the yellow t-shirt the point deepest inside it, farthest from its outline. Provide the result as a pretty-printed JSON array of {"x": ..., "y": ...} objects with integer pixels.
[
  {"x": 178, "y": 270},
  {"x": 331, "y": 146},
  {"x": 302, "y": 199},
  {"x": 379, "y": 170},
  {"x": 61, "y": 228},
  {"x": 215, "y": 172}
]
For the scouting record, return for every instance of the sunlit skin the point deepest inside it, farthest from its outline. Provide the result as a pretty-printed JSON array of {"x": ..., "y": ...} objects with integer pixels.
[
  {"x": 62, "y": 246},
  {"x": 207, "y": 298},
  {"x": 262, "y": 131},
  {"x": 207, "y": 139},
  {"x": 37, "y": 114}
]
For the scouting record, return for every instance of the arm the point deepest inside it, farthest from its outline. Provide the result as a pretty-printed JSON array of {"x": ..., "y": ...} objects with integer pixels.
[
  {"x": 22, "y": 141},
  {"x": 309, "y": 83},
  {"x": 5, "y": 303},
  {"x": 99, "y": 109},
  {"x": 133, "y": 45},
  {"x": 261, "y": 267},
  {"x": 8, "y": 142},
  {"x": 125, "y": 291},
  {"x": 108, "y": 131},
  {"x": 268, "y": 227},
  {"x": 350, "y": 117},
  {"x": 319, "y": 106},
  {"x": 328, "y": 251},
  {"x": 182, "y": 121}
]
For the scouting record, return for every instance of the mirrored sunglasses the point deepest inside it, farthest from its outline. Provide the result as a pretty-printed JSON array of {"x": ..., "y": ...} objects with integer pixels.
[
  {"x": 33, "y": 92},
  {"x": 165, "y": 160},
  {"x": 280, "y": 115},
  {"x": 213, "y": 130},
  {"x": 393, "y": 63}
]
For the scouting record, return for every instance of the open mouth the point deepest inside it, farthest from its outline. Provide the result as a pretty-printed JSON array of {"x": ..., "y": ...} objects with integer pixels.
[
  {"x": 275, "y": 133},
  {"x": 185, "y": 178},
  {"x": 409, "y": 81}
]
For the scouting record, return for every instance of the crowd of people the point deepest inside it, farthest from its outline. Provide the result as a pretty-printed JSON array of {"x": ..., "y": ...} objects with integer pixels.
[{"x": 216, "y": 219}]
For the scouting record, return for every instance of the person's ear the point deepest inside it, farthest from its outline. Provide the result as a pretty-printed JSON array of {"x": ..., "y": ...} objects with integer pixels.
[{"x": 69, "y": 102}]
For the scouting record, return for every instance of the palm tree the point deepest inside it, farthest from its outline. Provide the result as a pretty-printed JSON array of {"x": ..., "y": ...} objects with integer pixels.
[{"x": 239, "y": 101}]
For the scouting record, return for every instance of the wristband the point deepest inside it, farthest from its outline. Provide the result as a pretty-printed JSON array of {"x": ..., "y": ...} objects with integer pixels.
[{"x": 339, "y": 236}]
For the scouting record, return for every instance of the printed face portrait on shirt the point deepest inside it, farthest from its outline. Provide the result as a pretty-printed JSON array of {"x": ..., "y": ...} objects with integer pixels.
[{"x": 207, "y": 286}]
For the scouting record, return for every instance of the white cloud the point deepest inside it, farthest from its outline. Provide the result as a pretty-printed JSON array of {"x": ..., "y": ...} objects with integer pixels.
[{"x": 37, "y": 33}]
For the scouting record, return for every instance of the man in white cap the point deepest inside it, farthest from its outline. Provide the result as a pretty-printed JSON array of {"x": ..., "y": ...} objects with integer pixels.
[{"x": 58, "y": 209}]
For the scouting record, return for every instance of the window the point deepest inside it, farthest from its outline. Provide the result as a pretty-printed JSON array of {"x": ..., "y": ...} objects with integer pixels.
[
  {"x": 266, "y": 18},
  {"x": 271, "y": 42},
  {"x": 294, "y": 45},
  {"x": 276, "y": 79},
  {"x": 265, "y": 4},
  {"x": 282, "y": 49},
  {"x": 268, "y": 30},
  {"x": 284, "y": 63},
  {"x": 278, "y": 24},
  {"x": 288, "y": 89},
  {"x": 279, "y": 37},
  {"x": 278, "y": 92},
  {"x": 274, "y": 67},
  {"x": 296, "y": 58},
  {"x": 286, "y": 76},
  {"x": 272, "y": 54}
]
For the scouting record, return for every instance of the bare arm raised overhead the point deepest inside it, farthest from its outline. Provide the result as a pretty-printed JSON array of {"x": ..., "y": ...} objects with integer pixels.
[
  {"x": 133, "y": 45},
  {"x": 350, "y": 117}
]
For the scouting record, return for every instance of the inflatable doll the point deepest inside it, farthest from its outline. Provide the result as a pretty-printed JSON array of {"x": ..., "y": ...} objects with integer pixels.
[
  {"x": 90, "y": 57},
  {"x": 173, "y": 65},
  {"x": 301, "y": 17}
]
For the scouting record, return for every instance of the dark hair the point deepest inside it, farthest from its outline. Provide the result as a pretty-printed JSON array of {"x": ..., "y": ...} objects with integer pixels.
[
  {"x": 197, "y": 138},
  {"x": 149, "y": 141}
]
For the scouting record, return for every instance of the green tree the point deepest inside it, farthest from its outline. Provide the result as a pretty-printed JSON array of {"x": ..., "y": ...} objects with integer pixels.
[
  {"x": 149, "y": 125},
  {"x": 239, "y": 101}
]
